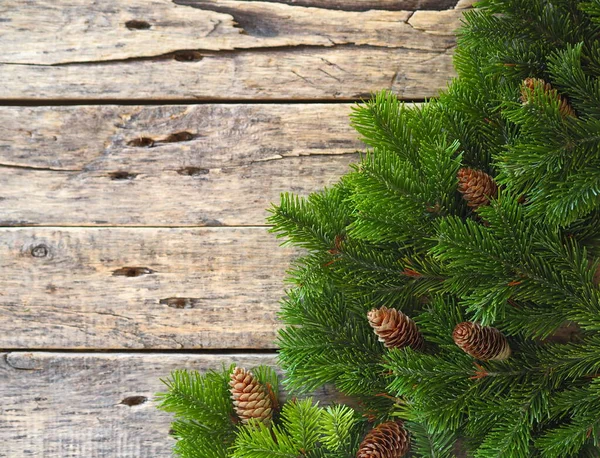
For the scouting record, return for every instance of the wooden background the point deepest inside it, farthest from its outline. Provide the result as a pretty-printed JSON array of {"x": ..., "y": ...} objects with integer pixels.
[{"x": 141, "y": 142}]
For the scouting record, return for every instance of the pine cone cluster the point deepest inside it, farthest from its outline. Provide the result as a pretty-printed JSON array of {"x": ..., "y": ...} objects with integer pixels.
[
  {"x": 388, "y": 440},
  {"x": 481, "y": 342},
  {"x": 395, "y": 329},
  {"x": 250, "y": 397},
  {"x": 476, "y": 186},
  {"x": 529, "y": 85}
]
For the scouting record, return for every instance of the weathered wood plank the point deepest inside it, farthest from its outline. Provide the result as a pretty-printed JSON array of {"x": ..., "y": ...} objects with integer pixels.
[
  {"x": 230, "y": 49},
  {"x": 119, "y": 288},
  {"x": 127, "y": 29},
  {"x": 341, "y": 73},
  {"x": 193, "y": 165},
  {"x": 76, "y": 405}
]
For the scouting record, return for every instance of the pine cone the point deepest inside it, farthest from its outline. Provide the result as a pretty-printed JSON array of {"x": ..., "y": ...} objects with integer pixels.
[
  {"x": 477, "y": 187},
  {"x": 481, "y": 342},
  {"x": 388, "y": 440},
  {"x": 529, "y": 85},
  {"x": 250, "y": 398},
  {"x": 395, "y": 329}
]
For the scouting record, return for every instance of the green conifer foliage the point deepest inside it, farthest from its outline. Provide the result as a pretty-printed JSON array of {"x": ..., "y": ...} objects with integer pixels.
[
  {"x": 403, "y": 236},
  {"x": 206, "y": 425},
  {"x": 396, "y": 232}
]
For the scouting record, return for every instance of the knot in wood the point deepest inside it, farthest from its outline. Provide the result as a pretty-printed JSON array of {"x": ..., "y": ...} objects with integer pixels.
[{"x": 40, "y": 251}]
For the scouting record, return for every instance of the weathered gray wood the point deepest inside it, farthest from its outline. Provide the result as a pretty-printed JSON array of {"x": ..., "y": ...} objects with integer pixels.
[
  {"x": 166, "y": 165},
  {"x": 230, "y": 49},
  {"x": 94, "y": 405},
  {"x": 126, "y": 29},
  {"x": 120, "y": 288},
  {"x": 342, "y": 73}
]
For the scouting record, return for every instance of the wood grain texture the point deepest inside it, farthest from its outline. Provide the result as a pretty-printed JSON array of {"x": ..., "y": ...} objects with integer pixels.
[
  {"x": 94, "y": 405},
  {"x": 119, "y": 288},
  {"x": 166, "y": 165},
  {"x": 226, "y": 49}
]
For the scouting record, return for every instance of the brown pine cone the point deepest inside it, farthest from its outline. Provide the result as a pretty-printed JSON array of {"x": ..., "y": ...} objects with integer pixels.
[
  {"x": 529, "y": 85},
  {"x": 250, "y": 397},
  {"x": 481, "y": 342},
  {"x": 476, "y": 186},
  {"x": 395, "y": 329},
  {"x": 388, "y": 440}
]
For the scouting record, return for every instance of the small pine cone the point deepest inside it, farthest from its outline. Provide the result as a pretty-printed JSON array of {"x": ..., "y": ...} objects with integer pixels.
[
  {"x": 477, "y": 187},
  {"x": 250, "y": 398},
  {"x": 395, "y": 329},
  {"x": 481, "y": 342},
  {"x": 388, "y": 440},
  {"x": 528, "y": 86}
]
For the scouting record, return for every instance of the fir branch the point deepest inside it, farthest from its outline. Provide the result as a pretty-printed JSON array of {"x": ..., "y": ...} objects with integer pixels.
[
  {"x": 339, "y": 427},
  {"x": 432, "y": 445},
  {"x": 202, "y": 398}
]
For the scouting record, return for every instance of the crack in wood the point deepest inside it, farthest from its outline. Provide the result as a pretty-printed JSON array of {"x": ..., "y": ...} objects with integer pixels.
[
  {"x": 330, "y": 75},
  {"x": 303, "y": 78},
  {"x": 211, "y": 53},
  {"x": 407, "y": 21},
  {"x": 279, "y": 157},
  {"x": 38, "y": 169}
]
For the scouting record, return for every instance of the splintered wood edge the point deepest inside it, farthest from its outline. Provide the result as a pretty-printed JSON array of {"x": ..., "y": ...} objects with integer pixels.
[{"x": 97, "y": 404}]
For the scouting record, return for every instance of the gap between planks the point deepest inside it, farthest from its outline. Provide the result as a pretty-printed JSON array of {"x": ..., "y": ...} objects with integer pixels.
[
  {"x": 147, "y": 351},
  {"x": 83, "y": 226},
  {"x": 161, "y": 102}
]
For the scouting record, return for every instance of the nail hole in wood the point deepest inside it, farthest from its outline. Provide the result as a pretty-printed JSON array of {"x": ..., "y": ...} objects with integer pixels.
[
  {"x": 143, "y": 142},
  {"x": 135, "y": 24},
  {"x": 39, "y": 251},
  {"x": 134, "y": 400},
  {"x": 187, "y": 56},
  {"x": 179, "y": 137},
  {"x": 193, "y": 171},
  {"x": 120, "y": 175},
  {"x": 132, "y": 272}
]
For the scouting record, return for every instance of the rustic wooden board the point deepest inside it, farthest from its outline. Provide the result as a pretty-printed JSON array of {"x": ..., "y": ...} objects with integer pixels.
[
  {"x": 166, "y": 165},
  {"x": 129, "y": 29},
  {"x": 344, "y": 73},
  {"x": 230, "y": 49},
  {"x": 119, "y": 288},
  {"x": 76, "y": 405}
]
